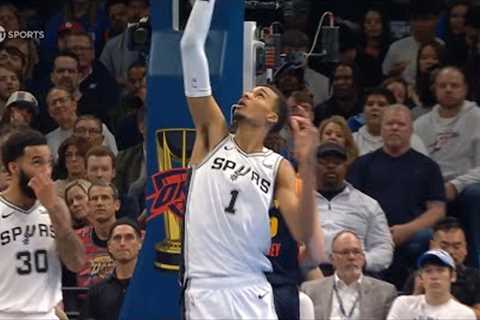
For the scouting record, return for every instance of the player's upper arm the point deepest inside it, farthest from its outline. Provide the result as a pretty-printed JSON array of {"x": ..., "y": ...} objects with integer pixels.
[
  {"x": 209, "y": 123},
  {"x": 288, "y": 199}
]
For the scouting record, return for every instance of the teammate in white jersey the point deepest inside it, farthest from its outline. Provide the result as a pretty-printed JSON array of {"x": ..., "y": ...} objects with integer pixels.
[
  {"x": 234, "y": 181},
  {"x": 35, "y": 232}
]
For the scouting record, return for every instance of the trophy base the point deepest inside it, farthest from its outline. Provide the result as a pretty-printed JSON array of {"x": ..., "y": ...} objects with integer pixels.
[{"x": 168, "y": 255}]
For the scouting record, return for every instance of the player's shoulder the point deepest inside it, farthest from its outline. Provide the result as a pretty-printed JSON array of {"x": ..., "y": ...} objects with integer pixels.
[{"x": 9, "y": 210}]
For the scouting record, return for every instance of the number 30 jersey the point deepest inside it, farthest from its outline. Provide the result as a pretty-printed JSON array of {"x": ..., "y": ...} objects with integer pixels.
[
  {"x": 227, "y": 231},
  {"x": 30, "y": 282}
]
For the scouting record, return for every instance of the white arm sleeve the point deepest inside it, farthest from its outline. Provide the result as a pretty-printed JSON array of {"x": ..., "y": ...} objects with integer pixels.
[{"x": 196, "y": 76}]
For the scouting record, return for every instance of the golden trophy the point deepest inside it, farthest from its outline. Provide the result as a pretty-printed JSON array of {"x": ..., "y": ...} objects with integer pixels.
[{"x": 174, "y": 147}]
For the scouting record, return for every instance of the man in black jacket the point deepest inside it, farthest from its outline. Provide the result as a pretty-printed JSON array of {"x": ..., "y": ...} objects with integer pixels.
[{"x": 105, "y": 299}]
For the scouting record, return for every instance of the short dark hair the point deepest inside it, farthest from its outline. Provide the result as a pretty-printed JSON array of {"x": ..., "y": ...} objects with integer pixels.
[
  {"x": 303, "y": 96},
  {"x": 111, "y": 3},
  {"x": 89, "y": 117},
  {"x": 137, "y": 64},
  {"x": 126, "y": 221},
  {"x": 101, "y": 151},
  {"x": 103, "y": 184},
  {"x": 14, "y": 147},
  {"x": 83, "y": 34},
  {"x": 379, "y": 91},
  {"x": 68, "y": 54},
  {"x": 447, "y": 224},
  {"x": 281, "y": 108},
  {"x": 147, "y": 2}
]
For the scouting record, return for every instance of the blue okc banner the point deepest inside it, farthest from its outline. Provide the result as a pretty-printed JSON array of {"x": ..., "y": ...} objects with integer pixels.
[{"x": 154, "y": 290}]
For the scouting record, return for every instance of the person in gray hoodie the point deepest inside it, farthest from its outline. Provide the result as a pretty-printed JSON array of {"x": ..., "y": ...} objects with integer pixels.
[
  {"x": 368, "y": 137},
  {"x": 451, "y": 133}
]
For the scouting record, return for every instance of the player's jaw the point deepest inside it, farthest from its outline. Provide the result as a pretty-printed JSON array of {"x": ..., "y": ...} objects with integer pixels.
[{"x": 23, "y": 180}]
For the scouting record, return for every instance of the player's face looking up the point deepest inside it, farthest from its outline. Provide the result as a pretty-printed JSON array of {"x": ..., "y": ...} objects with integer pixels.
[
  {"x": 34, "y": 161},
  {"x": 103, "y": 203},
  {"x": 258, "y": 107}
]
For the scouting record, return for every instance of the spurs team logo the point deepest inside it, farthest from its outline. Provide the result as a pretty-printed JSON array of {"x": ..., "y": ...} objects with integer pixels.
[{"x": 220, "y": 163}]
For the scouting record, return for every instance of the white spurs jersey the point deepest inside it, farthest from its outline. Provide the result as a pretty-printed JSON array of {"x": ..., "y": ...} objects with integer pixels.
[
  {"x": 227, "y": 230},
  {"x": 30, "y": 282}
]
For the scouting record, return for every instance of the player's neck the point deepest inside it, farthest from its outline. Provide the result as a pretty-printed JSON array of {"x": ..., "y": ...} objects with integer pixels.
[
  {"x": 436, "y": 299},
  {"x": 250, "y": 140},
  {"x": 14, "y": 195},
  {"x": 125, "y": 270},
  {"x": 102, "y": 229}
]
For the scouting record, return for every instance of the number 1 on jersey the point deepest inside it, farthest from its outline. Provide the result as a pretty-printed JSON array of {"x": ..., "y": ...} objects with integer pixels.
[{"x": 231, "y": 206}]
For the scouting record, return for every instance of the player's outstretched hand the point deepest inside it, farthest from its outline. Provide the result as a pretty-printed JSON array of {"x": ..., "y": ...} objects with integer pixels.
[
  {"x": 44, "y": 189},
  {"x": 305, "y": 138}
]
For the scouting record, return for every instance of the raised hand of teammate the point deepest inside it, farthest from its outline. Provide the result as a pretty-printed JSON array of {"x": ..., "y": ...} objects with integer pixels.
[{"x": 305, "y": 138}]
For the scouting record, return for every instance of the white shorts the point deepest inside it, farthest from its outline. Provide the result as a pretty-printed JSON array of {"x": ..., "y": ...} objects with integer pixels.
[{"x": 229, "y": 299}]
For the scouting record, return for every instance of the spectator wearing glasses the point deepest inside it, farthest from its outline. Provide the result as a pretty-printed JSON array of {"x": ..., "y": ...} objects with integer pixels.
[
  {"x": 349, "y": 294},
  {"x": 62, "y": 107},
  {"x": 27, "y": 50},
  {"x": 14, "y": 58},
  {"x": 91, "y": 128}
]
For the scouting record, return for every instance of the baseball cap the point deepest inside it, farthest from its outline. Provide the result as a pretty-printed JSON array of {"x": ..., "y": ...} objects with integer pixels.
[
  {"x": 23, "y": 98},
  {"x": 70, "y": 26},
  {"x": 436, "y": 256},
  {"x": 331, "y": 149}
]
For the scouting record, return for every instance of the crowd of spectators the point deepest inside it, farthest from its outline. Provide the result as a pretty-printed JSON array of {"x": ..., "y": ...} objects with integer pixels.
[
  {"x": 78, "y": 83},
  {"x": 398, "y": 124}
]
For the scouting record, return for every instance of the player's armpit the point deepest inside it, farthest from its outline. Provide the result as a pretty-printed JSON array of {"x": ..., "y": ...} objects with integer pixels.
[{"x": 210, "y": 124}]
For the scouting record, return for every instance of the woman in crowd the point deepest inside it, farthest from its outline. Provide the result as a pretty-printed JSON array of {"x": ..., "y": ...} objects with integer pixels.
[
  {"x": 375, "y": 40},
  {"x": 76, "y": 197},
  {"x": 455, "y": 36},
  {"x": 430, "y": 59},
  {"x": 71, "y": 162},
  {"x": 335, "y": 129}
]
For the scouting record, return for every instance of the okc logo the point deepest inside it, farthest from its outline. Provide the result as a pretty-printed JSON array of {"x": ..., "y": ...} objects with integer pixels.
[{"x": 169, "y": 192}]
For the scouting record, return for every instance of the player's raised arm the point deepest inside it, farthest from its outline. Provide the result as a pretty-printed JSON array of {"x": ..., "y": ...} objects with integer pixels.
[
  {"x": 207, "y": 116},
  {"x": 299, "y": 210}
]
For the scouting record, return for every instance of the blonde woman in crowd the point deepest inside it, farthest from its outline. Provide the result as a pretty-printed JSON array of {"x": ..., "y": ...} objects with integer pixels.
[{"x": 335, "y": 129}]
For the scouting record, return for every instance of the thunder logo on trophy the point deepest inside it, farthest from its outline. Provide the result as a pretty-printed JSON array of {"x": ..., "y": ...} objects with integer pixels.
[{"x": 174, "y": 147}]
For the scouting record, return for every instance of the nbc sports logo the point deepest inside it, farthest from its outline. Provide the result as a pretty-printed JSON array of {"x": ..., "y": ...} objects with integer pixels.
[{"x": 3, "y": 34}]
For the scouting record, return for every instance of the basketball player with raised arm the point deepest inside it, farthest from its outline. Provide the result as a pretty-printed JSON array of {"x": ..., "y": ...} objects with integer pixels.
[
  {"x": 35, "y": 232},
  {"x": 233, "y": 183}
]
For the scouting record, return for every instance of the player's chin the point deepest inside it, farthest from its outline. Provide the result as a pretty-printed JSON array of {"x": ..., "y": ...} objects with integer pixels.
[{"x": 238, "y": 116}]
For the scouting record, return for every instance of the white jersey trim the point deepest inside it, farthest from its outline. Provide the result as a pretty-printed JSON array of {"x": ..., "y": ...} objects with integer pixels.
[
  {"x": 211, "y": 152},
  {"x": 15, "y": 207},
  {"x": 254, "y": 154}
]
